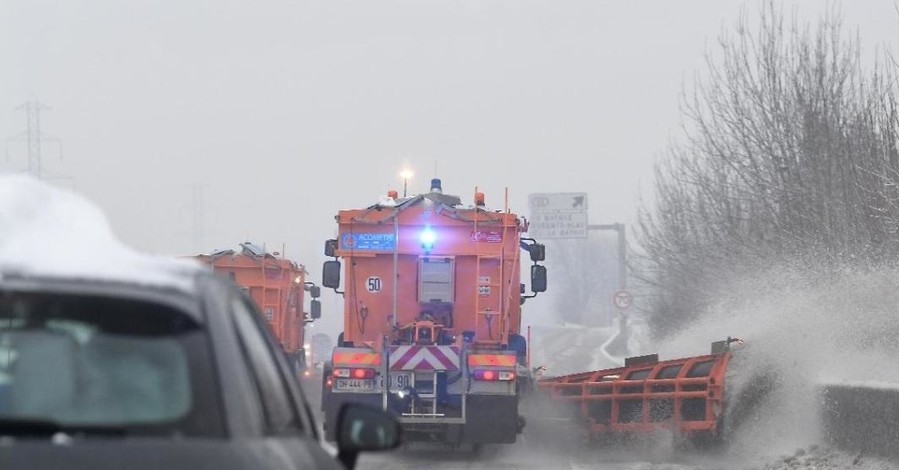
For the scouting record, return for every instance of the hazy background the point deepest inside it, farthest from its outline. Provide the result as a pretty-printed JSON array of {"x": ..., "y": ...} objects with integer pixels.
[{"x": 284, "y": 112}]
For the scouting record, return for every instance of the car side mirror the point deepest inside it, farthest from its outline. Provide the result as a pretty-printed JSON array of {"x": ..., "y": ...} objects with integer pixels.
[
  {"x": 537, "y": 252},
  {"x": 331, "y": 274},
  {"x": 315, "y": 309},
  {"x": 363, "y": 428},
  {"x": 538, "y": 278},
  {"x": 331, "y": 248}
]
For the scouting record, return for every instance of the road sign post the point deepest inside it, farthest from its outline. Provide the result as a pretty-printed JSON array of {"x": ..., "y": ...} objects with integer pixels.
[
  {"x": 622, "y": 250},
  {"x": 622, "y": 299}
]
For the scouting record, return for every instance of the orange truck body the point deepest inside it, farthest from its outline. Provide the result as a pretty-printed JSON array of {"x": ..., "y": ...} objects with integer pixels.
[
  {"x": 432, "y": 309},
  {"x": 496, "y": 293},
  {"x": 276, "y": 285}
]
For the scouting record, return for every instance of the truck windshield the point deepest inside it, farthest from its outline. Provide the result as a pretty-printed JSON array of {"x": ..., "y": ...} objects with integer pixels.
[{"x": 79, "y": 361}]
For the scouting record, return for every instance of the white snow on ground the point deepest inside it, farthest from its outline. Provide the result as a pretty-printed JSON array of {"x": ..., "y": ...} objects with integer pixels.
[
  {"x": 868, "y": 384},
  {"x": 816, "y": 458},
  {"x": 49, "y": 232}
]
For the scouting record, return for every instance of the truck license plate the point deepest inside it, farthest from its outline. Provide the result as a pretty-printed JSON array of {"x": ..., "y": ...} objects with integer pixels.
[{"x": 354, "y": 385}]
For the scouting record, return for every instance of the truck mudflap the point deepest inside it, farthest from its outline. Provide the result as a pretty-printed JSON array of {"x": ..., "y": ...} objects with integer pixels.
[{"x": 492, "y": 419}]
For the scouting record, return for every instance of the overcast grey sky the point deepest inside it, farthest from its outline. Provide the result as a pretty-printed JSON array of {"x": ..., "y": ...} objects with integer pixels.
[{"x": 286, "y": 111}]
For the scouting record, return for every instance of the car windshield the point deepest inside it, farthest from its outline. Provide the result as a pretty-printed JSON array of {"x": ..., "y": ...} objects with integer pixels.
[{"x": 79, "y": 360}]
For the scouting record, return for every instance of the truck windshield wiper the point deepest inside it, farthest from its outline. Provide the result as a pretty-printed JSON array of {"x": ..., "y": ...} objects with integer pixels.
[{"x": 45, "y": 428}]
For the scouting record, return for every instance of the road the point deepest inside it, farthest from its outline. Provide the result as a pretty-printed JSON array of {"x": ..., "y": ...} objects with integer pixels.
[
  {"x": 524, "y": 456},
  {"x": 637, "y": 458}
]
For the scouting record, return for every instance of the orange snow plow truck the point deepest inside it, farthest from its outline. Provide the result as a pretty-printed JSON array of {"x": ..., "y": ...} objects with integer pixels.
[
  {"x": 432, "y": 310},
  {"x": 277, "y": 286}
]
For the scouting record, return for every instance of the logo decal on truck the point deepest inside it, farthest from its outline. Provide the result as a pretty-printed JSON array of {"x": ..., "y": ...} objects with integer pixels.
[
  {"x": 493, "y": 236},
  {"x": 367, "y": 241}
]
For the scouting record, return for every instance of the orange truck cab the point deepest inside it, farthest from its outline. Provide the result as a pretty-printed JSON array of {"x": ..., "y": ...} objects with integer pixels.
[
  {"x": 278, "y": 288},
  {"x": 432, "y": 315}
]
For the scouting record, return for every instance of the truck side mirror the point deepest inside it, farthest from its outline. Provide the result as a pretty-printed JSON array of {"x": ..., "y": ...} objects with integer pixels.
[
  {"x": 315, "y": 309},
  {"x": 331, "y": 248},
  {"x": 331, "y": 274},
  {"x": 538, "y": 278},
  {"x": 537, "y": 252},
  {"x": 521, "y": 288},
  {"x": 315, "y": 292}
]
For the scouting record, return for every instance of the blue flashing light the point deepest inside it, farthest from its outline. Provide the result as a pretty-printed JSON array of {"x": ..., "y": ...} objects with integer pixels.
[{"x": 427, "y": 237}]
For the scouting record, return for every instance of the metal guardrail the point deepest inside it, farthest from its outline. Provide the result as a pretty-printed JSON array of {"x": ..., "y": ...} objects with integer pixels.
[{"x": 861, "y": 418}]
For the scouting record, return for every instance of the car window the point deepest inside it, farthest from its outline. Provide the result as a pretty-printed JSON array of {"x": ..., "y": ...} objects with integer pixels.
[
  {"x": 79, "y": 360},
  {"x": 279, "y": 414}
]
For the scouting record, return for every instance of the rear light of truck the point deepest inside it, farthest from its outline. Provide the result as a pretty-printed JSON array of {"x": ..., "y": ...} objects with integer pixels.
[
  {"x": 355, "y": 373},
  {"x": 361, "y": 373},
  {"x": 494, "y": 375}
]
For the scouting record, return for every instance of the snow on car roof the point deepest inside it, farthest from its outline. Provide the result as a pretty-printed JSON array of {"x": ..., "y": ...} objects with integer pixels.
[{"x": 50, "y": 232}]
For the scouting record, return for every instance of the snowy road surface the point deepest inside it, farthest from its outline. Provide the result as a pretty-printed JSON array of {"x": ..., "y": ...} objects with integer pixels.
[
  {"x": 518, "y": 456},
  {"x": 524, "y": 457}
]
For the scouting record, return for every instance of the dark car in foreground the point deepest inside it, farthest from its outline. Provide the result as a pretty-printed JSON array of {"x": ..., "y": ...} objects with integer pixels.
[{"x": 119, "y": 374}]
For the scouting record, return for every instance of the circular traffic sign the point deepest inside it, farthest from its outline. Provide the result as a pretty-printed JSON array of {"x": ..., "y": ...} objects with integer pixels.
[{"x": 622, "y": 299}]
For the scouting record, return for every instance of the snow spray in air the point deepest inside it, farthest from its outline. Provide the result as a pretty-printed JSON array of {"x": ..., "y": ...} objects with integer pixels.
[{"x": 802, "y": 331}]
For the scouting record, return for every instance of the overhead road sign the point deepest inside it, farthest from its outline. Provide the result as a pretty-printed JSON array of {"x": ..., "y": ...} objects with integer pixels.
[
  {"x": 558, "y": 215},
  {"x": 558, "y": 202}
]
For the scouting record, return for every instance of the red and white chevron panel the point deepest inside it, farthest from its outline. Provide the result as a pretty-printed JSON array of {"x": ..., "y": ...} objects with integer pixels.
[{"x": 425, "y": 357}]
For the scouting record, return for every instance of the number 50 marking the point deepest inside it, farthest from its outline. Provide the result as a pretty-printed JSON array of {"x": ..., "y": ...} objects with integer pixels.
[{"x": 373, "y": 284}]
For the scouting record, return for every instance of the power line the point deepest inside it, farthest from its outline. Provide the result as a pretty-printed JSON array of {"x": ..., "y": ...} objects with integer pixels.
[{"x": 33, "y": 137}]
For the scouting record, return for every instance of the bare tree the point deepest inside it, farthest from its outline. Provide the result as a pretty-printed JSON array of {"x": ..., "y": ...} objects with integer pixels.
[{"x": 789, "y": 152}]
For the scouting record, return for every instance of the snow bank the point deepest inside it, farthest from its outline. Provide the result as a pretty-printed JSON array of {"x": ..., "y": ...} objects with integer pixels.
[
  {"x": 819, "y": 458},
  {"x": 871, "y": 384},
  {"x": 49, "y": 232}
]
